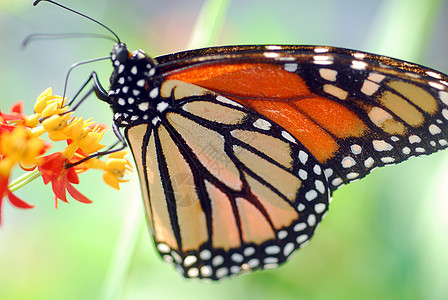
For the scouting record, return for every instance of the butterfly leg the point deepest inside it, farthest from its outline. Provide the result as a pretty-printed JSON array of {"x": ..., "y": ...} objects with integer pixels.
[{"x": 101, "y": 93}]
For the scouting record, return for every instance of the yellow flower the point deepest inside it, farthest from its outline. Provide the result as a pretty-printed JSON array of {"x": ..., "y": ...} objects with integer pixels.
[
  {"x": 82, "y": 136},
  {"x": 19, "y": 146},
  {"x": 114, "y": 168},
  {"x": 45, "y": 100}
]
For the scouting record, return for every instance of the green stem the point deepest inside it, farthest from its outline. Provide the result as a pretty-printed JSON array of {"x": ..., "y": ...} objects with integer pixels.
[
  {"x": 23, "y": 180},
  {"x": 208, "y": 23},
  {"x": 127, "y": 241}
]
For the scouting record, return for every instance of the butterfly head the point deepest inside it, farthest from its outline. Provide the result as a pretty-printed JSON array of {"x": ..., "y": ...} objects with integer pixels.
[{"x": 131, "y": 85}]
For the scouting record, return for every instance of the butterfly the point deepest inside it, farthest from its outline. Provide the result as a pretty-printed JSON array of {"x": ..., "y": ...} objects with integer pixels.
[{"x": 240, "y": 148}]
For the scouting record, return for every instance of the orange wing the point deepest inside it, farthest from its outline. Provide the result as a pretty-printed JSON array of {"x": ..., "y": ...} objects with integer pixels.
[
  {"x": 284, "y": 98},
  {"x": 352, "y": 116}
]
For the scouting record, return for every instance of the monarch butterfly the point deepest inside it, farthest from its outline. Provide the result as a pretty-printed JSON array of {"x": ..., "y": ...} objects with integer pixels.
[{"x": 240, "y": 148}]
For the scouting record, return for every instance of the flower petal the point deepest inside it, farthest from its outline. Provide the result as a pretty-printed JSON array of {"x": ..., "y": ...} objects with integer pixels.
[
  {"x": 58, "y": 187},
  {"x": 72, "y": 176},
  {"x": 17, "y": 202},
  {"x": 76, "y": 194},
  {"x": 52, "y": 167}
]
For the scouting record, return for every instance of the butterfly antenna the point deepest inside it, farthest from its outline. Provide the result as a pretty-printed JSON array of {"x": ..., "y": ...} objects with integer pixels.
[
  {"x": 80, "y": 14},
  {"x": 54, "y": 36}
]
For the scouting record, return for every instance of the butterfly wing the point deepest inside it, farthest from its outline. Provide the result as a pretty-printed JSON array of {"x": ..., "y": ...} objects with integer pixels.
[
  {"x": 225, "y": 192},
  {"x": 353, "y": 111},
  {"x": 249, "y": 143}
]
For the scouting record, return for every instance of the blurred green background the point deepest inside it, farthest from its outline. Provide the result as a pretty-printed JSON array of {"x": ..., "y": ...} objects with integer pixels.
[{"x": 385, "y": 237}]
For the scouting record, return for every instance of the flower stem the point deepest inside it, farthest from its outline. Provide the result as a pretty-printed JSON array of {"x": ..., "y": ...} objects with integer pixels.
[
  {"x": 23, "y": 180},
  {"x": 208, "y": 23},
  {"x": 131, "y": 231}
]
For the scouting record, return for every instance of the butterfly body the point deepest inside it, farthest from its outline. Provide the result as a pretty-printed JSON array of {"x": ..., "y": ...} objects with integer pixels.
[{"x": 239, "y": 148}]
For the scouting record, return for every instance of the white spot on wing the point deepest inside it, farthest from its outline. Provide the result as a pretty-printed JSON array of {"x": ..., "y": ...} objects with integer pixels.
[
  {"x": 381, "y": 145},
  {"x": 282, "y": 234},
  {"x": 299, "y": 227},
  {"x": 358, "y": 65},
  {"x": 206, "y": 271},
  {"x": 445, "y": 113},
  {"x": 376, "y": 77},
  {"x": 288, "y": 249},
  {"x": 161, "y": 106},
  {"x": 249, "y": 251},
  {"x": 414, "y": 139},
  {"x": 144, "y": 106},
  {"x": 288, "y": 136},
  {"x": 356, "y": 149},
  {"x": 262, "y": 124},
  {"x": 272, "y": 249},
  {"x": 323, "y": 59},
  {"x": 335, "y": 91},
  {"x": 301, "y": 238},
  {"x": 320, "y": 208},
  {"x": 228, "y": 101},
  {"x": 236, "y": 257},
  {"x": 205, "y": 254},
  {"x": 433, "y": 74},
  {"x": 189, "y": 260},
  {"x": 311, "y": 220},
  {"x": 434, "y": 129},
  {"x": 328, "y": 172},
  {"x": 328, "y": 74},
  {"x": 163, "y": 248},
  {"x": 359, "y": 55},
  {"x": 444, "y": 97},
  {"x": 311, "y": 195},
  {"x": 303, "y": 156},
  {"x": 369, "y": 87},
  {"x": 217, "y": 260},
  {"x": 155, "y": 121},
  {"x": 320, "y": 186},
  {"x": 336, "y": 181},
  {"x": 348, "y": 162},
  {"x": 436, "y": 85},
  {"x": 352, "y": 175},
  {"x": 368, "y": 163},
  {"x": 321, "y": 50},
  {"x": 221, "y": 272},
  {"x": 154, "y": 93},
  {"x": 290, "y": 67},
  {"x": 271, "y": 54},
  {"x": 193, "y": 272},
  {"x": 387, "y": 159}
]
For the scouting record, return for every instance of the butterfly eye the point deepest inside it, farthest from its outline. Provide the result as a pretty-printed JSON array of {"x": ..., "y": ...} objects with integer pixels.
[{"x": 122, "y": 53}]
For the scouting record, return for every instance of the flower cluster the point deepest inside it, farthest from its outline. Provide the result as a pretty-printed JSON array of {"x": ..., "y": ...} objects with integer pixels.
[{"x": 21, "y": 144}]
